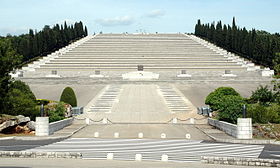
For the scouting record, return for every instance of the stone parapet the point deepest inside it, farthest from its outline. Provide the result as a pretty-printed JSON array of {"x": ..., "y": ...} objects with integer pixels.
[
  {"x": 241, "y": 161},
  {"x": 58, "y": 125},
  {"x": 230, "y": 129},
  {"x": 25, "y": 154}
]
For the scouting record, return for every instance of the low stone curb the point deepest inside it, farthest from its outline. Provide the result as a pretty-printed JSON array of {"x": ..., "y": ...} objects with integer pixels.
[
  {"x": 240, "y": 161},
  {"x": 23, "y": 154},
  {"x": 244, "y": 141},
  {"x": 36, "y": 138},
  {"x": 249, "y": 141}
]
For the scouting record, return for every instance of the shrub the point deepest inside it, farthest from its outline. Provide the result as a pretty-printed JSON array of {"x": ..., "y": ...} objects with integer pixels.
[
  {"x": 257, "y": 112},
  {"x": 214, "y": 98},
  {"x": 264, "y": 114},
  {"x": 230, "y": 108},
  {"x": 274, "y": 113},
  {"x": 56, "y": 111},
  {"x": 21, "y": 100},
  {"x": 68, "y": 96},
  {"x": 262, "y": 95}
]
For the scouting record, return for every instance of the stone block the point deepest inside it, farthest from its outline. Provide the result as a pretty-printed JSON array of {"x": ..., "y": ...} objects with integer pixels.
[
  {"x": 138, "y": 157},
  {"x": 110, "y": 156},
  {"x": 42, "y": 126},
  {"x": 164, "y": 158}
]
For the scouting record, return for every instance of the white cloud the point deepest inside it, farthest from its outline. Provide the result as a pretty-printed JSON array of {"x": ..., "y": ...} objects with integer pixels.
[
  {"x": 13, "y": 31},
  {"x": 117, "y": 21},
  {"x": 156, "y": 13}
]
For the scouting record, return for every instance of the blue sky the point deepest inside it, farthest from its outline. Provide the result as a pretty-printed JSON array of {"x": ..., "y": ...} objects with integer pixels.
[{"x": 17, "y": 16}]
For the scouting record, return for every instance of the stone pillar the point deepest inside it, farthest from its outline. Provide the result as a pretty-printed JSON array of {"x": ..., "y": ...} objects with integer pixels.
[
  {"x": 244, "y": 128},
  {"x": 42, "y": 126}
]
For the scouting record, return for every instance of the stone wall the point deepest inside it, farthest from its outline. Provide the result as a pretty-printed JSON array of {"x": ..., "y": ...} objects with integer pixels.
[
  {"x": 241, "y": 161},
  {"x": 243, "y": 129},
  {"x": 58, "y": 125},
  {"x": 24, "y": 154},
  {"x": 228, "y": 128}
]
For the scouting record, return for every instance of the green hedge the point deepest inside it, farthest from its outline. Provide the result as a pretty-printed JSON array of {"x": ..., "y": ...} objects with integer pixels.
[
  {"x": 215, "y": 98},
  {"x": 68, "y": 96}
]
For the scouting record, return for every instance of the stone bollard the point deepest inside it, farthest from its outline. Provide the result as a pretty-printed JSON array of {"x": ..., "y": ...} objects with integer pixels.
[
  {"x": 116, "y": 135},
  {"x": 42, "y": 126},
  {"x": 244, "y": 128},
  {"x": 174, "y": 120},
  {"x": 188, "y": 136},
  {"x": 163, "y": 136},
  {"x": 140, "y": 135},
  {"x": 96, "y": 134},
  {"x": 104, "y": 121},
  {"x": 87, "y": 121},
  {"x": 192, "y": 121}
]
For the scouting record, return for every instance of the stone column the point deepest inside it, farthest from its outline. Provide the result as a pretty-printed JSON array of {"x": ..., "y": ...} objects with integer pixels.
[
  {"x": 42, "y": 126},
  {"x": 244, "y": 128}
]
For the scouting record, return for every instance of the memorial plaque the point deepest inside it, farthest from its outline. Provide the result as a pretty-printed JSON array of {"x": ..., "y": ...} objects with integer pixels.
[
  {"x": 227, "y": 71},
  {"x": 140, "y": 68},
  {"x": 54, "y": 72},
  {"x": 183, "y": 72},
  {"x": 97, "y": 72}
]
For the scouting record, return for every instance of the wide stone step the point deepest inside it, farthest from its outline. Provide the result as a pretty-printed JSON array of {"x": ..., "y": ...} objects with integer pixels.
[{"x": 152, "y": 63}]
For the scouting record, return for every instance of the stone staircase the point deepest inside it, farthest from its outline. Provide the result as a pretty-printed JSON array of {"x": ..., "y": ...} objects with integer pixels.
[
  {"x": 165, "y": 54},
  {"x": 106, "y": 100},
  {"x": 174, "y": 101}
]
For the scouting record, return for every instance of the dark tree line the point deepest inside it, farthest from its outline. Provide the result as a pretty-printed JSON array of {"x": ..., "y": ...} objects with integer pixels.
[
  {"x": 258, "y": 46},
  {"x": 47, "y": 40}
]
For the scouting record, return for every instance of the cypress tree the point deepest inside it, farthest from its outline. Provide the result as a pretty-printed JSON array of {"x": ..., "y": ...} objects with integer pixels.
[{"x": 86, "y": 31}]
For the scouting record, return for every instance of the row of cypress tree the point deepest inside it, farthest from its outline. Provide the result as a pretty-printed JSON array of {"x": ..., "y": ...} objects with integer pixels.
[
  {"x": 47, "y": 40},
  {"x": 260, "y": 47}
]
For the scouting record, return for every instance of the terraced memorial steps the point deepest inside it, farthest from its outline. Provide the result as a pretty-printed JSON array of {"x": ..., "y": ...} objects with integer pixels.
[{"x": 116, "y": 54}]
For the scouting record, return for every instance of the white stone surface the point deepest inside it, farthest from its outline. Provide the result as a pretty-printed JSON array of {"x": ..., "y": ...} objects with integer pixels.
[
  {"x": 53, "y": 76},
  {"x": 163, "y": 135},
  {"x": 229, "y": 75},
  {"x": 184, "y": 76},
  {"x": 244, "y": 128},
  {"x": 96, "y": 76},
  {"x": 164, "y": 158},
  {"x": 140, "y": 75},
  {"x": 267, "y": 73},
  {"x": 42, "y": 126},
  {"x": 138, "y": 157},
  {"x": 110, "y": 156},
  {"x": 251, "y": 68}
]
